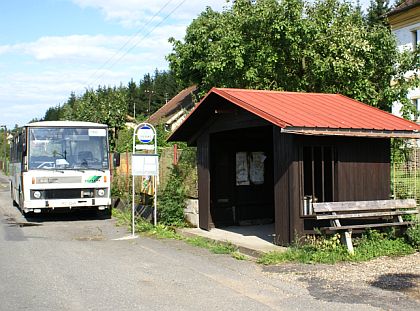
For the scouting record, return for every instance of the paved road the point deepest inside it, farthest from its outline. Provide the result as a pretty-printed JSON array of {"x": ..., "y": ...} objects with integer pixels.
[{"x": 74, "y": 263}]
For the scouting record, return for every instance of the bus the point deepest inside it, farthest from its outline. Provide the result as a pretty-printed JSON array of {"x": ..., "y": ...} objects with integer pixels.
[{"x": 61, "y": 165}]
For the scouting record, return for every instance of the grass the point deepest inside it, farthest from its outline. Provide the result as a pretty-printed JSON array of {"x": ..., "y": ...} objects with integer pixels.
[
  {"x": 166, "y": 232},
  {"x": 328, "y": 250},
  {"x": 311, "y": 249}
]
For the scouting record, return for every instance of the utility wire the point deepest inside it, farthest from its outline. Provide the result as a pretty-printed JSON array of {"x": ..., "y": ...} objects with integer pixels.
[{"x": 136, "y": 44}]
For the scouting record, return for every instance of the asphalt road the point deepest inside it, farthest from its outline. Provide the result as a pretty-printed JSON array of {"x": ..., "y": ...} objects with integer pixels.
[{"x": 76, "y": 262}]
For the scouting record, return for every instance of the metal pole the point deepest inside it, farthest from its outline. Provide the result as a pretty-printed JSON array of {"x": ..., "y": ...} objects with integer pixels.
[
  {"x": 133, "y": 184},
  {"x": 155, "y": 181},
  {"x": 155, "y": 201},
  {"x": 4, "y": 150}
]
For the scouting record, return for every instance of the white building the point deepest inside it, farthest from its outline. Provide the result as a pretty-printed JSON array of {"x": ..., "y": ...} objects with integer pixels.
[{"x": 405, "y": 24}]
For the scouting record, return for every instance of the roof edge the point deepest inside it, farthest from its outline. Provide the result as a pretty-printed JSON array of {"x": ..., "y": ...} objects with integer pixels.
[
  {"x": 268, "y": 117},
  {"x": 351, "y": 132}
]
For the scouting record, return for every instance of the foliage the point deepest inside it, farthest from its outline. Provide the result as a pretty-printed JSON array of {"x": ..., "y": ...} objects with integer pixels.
[
  {"x": 171, "y": 201},
  {"x": 165, "y": 232},
  {"x": 112, "y": 105},
  {"x": 413, "y": 235},
  {"x": 323, "y": 249},
  {"x": 374, "y": 244},
  {"x": 125, "y": 140},
  {"x": 293, "y": 45},
  {"x": 214, "y": 247},
  {"x": 376, "y": 12},
  {"x": 150, "y": 93},
  {"x": 311, "y": 249}
]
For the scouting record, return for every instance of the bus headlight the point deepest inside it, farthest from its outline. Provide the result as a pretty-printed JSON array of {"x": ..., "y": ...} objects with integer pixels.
[
  {"x": 101, "y": 192},
  {"x": 37, "y": 194}
]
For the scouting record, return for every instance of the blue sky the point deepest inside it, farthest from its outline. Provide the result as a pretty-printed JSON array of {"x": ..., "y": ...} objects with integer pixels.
[{"x": 50, "y": 48}]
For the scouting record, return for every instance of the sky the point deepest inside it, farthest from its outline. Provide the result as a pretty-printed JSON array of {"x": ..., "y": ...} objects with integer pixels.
[{"x": 50, "y": 48}]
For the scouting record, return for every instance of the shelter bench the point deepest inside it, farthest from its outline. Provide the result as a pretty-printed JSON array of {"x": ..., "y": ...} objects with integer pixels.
[{"x": 376, "y": 214}]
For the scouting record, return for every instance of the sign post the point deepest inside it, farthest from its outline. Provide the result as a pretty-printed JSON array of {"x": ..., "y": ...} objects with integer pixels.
[{"x": 144, "y": 163}]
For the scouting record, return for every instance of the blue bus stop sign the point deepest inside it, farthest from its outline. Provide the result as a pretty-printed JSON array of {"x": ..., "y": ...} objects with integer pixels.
[{"x": 145, "y": 134}]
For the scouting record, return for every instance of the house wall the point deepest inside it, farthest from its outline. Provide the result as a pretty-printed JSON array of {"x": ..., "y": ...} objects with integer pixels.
[{"x": 406, "y": 28}]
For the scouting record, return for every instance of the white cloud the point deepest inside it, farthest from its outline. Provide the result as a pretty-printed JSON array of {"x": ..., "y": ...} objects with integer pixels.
[
  {"x": 41, "y": 74},
  {"x": 135, "y": 13}
]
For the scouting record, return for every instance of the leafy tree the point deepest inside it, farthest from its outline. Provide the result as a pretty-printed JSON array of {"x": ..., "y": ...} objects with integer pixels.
[
  {"x": 133, "y": 98},
  {"x": 53, "y": 113},
  {"x": 376, "y": 12},
  {"x": 105, "y": 105},
  {"x": 293, "y": 45}
]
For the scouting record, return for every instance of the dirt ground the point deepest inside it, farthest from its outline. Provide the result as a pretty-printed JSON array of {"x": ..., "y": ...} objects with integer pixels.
[{"x": 365, "y": 281}]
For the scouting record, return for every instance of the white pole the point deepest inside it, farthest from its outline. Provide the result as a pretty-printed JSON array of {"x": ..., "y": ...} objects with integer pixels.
[
  {"x": 155, "y": 202},
  {"x": 133, "y": 208},
  {"x": 133, "y": 192}
]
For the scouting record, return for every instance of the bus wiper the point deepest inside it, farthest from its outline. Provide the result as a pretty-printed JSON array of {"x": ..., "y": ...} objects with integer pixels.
[{"x": 97, "y": 169}]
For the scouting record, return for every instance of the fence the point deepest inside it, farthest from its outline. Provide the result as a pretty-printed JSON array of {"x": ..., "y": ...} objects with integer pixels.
[
  {"x": 405, "y": 177},
  {"x": 167, "y": 157}
]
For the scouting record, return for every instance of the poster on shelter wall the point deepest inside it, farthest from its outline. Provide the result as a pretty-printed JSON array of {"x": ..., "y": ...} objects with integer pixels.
[
  {"x": 242, "y": 171},
  {"x": 256, "y": 168},
  {"x": 250, "y": 168}
]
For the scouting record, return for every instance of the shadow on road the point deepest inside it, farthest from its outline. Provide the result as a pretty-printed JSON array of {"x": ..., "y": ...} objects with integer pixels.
[{"x": 66, "y": 215}]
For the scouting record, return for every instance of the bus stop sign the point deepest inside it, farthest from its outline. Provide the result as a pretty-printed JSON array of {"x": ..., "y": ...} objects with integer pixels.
[{"x": 145, "y": 134}]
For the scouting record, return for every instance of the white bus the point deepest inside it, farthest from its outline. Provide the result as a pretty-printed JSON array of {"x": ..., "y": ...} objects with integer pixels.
[{"x": 61, "y": 165}]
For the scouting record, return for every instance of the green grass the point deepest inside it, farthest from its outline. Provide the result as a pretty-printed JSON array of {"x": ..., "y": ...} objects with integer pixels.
[
  {"x": 167, "y": 232},
  {"x": 312, "y": 249},
  {"x": 214, "y": 247},
  {"x": 371, "y": 245}
]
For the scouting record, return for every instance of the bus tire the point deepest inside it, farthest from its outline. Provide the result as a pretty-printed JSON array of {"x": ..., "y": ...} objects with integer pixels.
[{"x": 104, "y": 214}]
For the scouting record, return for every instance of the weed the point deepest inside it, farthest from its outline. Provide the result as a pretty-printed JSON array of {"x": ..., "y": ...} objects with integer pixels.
[
  {"x": 329, "y": 250},
  {"x": 214, "y": 247},
  {"x": 413, "y": 235},
  {"x": 238, "y": 256}
]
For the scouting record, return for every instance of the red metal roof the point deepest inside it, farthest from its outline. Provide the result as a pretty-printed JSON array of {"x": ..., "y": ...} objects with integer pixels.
[
  {"x": 314, "y": 110},
  {"x": 301, "y": 113}
]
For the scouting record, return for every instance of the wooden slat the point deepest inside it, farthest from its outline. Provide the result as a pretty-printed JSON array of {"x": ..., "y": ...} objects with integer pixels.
[
  {"x": 365, "y": 226},
  {"x": 363, "y": 215},
  {"x": 363, "y": 205}
]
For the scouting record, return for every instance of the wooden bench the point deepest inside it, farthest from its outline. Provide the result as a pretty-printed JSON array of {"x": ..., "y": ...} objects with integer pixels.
[{"x": 376, "y": 214}]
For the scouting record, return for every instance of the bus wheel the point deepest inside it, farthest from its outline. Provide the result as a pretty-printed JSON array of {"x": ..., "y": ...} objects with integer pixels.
[
  {"x": 104, "y": 214},
  {"x": 12, "y": 196}
]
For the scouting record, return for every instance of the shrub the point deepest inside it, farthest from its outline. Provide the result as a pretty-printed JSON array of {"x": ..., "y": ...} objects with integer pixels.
[
  {"x": 413, "y": 235},
  {"x": 172, "y": 200}
]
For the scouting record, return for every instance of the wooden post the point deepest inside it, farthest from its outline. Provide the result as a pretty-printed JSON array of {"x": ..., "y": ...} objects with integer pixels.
[
  {"x": 346, "y": 239},
  {"x": 126, "y": 171}
]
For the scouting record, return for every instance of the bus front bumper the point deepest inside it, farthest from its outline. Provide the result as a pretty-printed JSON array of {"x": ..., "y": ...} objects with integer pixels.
[{"x": 94, "y": 203}]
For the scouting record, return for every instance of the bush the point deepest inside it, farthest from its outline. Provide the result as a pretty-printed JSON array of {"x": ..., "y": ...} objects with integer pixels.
[
  {"x": 321, "y": 249},
  {"x": 413, "y": 235},
  {"x": 172, "y": 200},
  {"x": 374, "y": 244}
]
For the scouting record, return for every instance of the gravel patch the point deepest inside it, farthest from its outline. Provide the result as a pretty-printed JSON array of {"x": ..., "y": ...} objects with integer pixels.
[{"x": 389, "y": 283}]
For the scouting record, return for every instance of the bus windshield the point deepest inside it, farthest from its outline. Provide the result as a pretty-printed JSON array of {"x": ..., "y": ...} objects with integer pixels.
[{"x": 67, "y": 148}]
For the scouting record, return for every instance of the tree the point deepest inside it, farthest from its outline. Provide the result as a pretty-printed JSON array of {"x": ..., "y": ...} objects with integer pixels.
[
  {"x": 376, "y": 12},
  {"x": 326, "y": 46}
]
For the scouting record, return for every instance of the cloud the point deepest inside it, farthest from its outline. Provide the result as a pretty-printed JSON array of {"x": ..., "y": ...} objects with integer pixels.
[
  {"x": 135, "y": 13},
  {"x": 97, "y": 49}
]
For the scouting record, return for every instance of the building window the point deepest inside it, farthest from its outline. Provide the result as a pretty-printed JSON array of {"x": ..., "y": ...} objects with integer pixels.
[
  {"x": 415, "y": 36},
  {"x": 318, "y": 168}
]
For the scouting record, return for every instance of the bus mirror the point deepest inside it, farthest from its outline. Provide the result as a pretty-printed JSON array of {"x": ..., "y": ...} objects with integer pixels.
[{"x": 116, "y": 159}]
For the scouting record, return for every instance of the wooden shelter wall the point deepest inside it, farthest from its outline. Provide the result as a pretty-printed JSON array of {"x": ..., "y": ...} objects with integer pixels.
[
  {"x": 203, "y": 170},
  {"x": 363, "y": 170},
  {"x": 286, "y": 187},
  {"x": 362, "y": 166}
]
